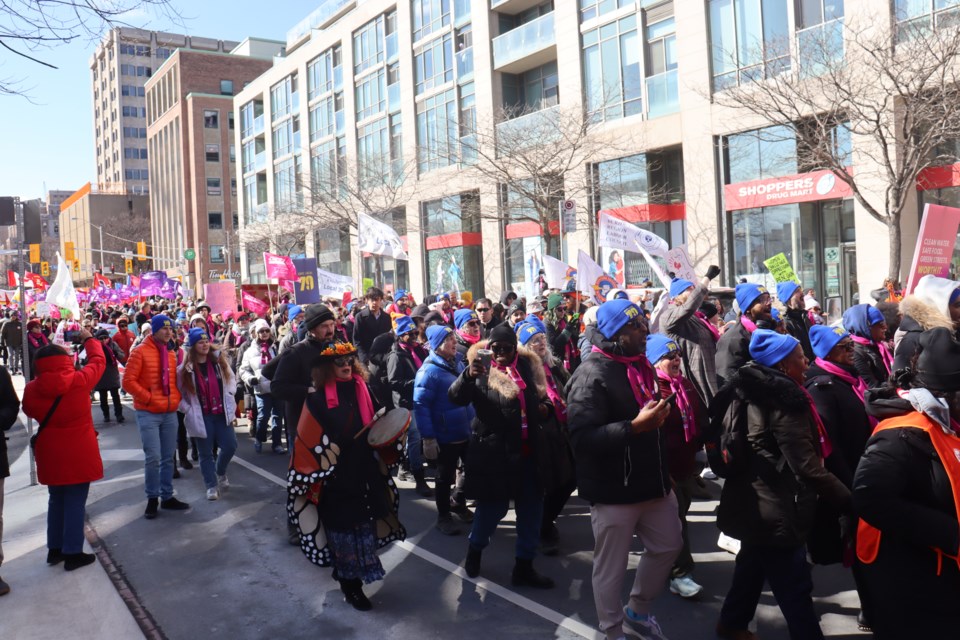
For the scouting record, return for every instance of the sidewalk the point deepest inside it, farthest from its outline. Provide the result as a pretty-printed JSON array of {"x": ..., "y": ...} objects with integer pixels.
[{"x": 48, "y": 603}]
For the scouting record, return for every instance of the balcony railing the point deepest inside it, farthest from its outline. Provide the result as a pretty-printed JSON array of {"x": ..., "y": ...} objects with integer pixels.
[
  {"x": 260, "y": 161},
  {"x": 320, "y": 16},
  {"x": 662, "y": 94},
  {"x": 533, "y": 128},
  {"x": 536, "y": 36},
  {"x": 257, "y": 125}
]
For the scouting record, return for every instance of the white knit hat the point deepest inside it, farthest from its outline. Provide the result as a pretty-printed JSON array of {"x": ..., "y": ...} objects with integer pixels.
[
  {"x": 936, "y": 292},
  {"x": 809, "y": 302}
]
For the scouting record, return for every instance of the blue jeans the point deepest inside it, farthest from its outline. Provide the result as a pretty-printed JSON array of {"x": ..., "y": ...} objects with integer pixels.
[
  {"x": 414, "y": 452},
  {"x": 158, "y": 433},
  {"x": 221, "y": 434},
  {"x": 529, "y": 508},
  {"x": 65, "y": 511},
  {"x": 268, "y": 412}
]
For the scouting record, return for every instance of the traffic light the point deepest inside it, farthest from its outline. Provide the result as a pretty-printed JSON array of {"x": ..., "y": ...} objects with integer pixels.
[
  {"x": 76, "y": 266},
  {"x": 45, "y": 269},
  {"x": 34, "y": 253},
  {"x": 128, "y": 265},
  {"x": 141, "y": 250},
  {"x": 68, "y": 251}
]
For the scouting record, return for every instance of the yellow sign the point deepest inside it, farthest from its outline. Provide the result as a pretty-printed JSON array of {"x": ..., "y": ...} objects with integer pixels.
[
  {"x": 141, "y": 250},
  {"x": 45, "y": 269},
  {"x": 68, "y": 254},
  {"x": 76, "y": 266},
  {"x": 34, "y": 253},
  {"x": 128, "y": 265},
  {"x": 781, "y": 269}
]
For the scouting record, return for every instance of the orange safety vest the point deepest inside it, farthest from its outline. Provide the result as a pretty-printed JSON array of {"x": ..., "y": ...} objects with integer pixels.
[{"x": 948, "y": 449}]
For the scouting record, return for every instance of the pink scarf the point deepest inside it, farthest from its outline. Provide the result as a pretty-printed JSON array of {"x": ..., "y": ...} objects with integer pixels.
[
  {"x": 856, "y": 382},
  {"x": 641, "y": 378},
  {"x": 363, "y": 398},
  {"x": 683, "y": 404},
  {"x": 164, "y": 366},
  {"x": 748, "y": 324},
  {"x": 559, "y": 406},
  {"x": 713, "y": 330},
  {"x": 264, "y": 353},
  {"x": 511, "y": 370},
  {"x": 37, "y": 340},
  {"x": 211, "y": 399},
  {"x": 885, "y": 354},
  {"x": 825, "y": 447},
  {"x": 468, "y": 339},
  {"x": 413, "y": 353}
]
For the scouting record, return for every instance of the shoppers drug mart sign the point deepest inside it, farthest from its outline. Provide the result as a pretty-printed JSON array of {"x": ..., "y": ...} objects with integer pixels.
[{"x": 804, "y": 187}]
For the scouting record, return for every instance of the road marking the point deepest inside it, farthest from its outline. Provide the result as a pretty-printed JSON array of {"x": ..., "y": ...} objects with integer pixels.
[{"x": 570, "y": 624}]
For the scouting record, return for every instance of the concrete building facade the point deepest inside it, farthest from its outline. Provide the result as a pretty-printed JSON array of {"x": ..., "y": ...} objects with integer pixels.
[
  {"x": 411, "y": 82},
  {"x": 119, "y": 68},
  {"x": 191, "y": 158}
]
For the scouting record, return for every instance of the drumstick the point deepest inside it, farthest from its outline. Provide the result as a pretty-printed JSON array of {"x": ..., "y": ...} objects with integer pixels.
[{"x": 379, "y": 414}]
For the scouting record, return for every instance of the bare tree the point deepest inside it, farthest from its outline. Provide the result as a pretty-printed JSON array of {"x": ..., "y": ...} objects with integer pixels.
[
  {"x": 897, "y": 93},
  {"x": 30, "y": 26}
]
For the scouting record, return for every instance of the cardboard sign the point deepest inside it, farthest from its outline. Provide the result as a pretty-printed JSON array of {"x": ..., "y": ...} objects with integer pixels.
[
  {"x": 678, "y": 261},
  {"x": 935, "y": 244},
  {"x": 221, "y": 296},
  {"x": 780, "y": 269},
  {"x": 306, "y": 291}
]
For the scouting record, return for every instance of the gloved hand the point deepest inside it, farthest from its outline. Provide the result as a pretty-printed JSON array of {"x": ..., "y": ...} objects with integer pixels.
[
  {"x": 255, "y": 381},
  {"x": 713, "y": 271},
  {"x": 430, "y": 448}
]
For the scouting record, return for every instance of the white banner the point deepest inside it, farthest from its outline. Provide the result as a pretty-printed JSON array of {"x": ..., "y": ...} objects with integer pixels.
[
  {"x": 620, "y": 234},
  {"x": 557, "y": 273},
  {"x": 591, "y": 279},
  {"x": 332, "y": 284},
  {"x": 61, "y": 292},
  {"x": 378, "y": 238}
]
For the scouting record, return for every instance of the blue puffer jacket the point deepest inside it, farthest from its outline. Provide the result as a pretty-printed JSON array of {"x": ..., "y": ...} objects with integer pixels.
[{"x": 437, "y": 417}]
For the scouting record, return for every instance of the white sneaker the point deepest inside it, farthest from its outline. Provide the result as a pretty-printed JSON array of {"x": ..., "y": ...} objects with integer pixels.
[
  {"x": 223, "y": 482},
  {"x": 685, "y": 587},
  {"x": 648, "y": 629},
  {"x": 708, "y": 474},
  {"x": 213, "y": 493}
]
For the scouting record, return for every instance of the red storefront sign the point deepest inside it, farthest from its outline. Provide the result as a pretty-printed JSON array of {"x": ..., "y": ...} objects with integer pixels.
[
  {"x": 939, "y": 177},
  {"x": 803, "y": 187},
  {"x": 649, "y": 212}
]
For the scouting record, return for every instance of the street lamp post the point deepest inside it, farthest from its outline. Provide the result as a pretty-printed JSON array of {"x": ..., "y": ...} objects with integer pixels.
[{"x": 100, "y": 229}]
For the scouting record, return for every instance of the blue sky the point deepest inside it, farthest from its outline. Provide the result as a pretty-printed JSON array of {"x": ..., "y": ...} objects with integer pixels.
[{"x": 50, "y": 140}]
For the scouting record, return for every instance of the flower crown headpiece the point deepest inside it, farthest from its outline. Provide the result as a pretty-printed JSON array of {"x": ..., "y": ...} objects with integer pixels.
[{"x": 337, "y": 349}]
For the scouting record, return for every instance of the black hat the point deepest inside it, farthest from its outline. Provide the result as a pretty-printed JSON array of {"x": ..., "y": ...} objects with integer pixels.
[
  {"x": 938, "y": 366},
  {"x": 102, "y": 333},
  {"x": 316, "y": 314},
  {"x": 503, "y": 333},
  {"x": 420, "y": 311}
]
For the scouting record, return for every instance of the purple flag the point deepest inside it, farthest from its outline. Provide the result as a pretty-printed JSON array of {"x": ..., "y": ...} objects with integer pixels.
[{"x": 151, "y": 283}]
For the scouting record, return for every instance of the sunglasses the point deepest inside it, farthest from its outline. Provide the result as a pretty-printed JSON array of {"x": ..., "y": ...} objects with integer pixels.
[
  {"x": 263, "y": 331},
  {"x": 473, "y": 323},
  {"x": 345, "y": 361},
  {"x": 483, "y": 309},
  {"x": 502, "y": 347},
  {"x": 848, "y": 346},
  {"x": 673, "y": 355}
]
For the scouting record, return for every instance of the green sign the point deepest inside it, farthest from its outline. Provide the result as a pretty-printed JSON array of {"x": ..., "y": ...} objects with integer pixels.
[
  {"x": 189, "y": 254},
  {"x": 781, "y": 269},
  {"x": 367, "y": 283}
]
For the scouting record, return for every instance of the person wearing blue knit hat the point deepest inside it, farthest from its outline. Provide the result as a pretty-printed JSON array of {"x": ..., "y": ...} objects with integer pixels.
[
  {"x": 678, "y": 286},
  {"x": 868, "y": 330},
  {"x": 467, "y": 324},
  {"x": 795, "y": 319},
  {"x": 526, "y": 330},
  {"x": 733, "y": 348},
  {"x": 769, "y": 500}
]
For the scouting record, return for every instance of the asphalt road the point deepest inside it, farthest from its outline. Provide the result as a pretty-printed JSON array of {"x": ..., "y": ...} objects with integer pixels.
[{"x": 224, "y": 569}]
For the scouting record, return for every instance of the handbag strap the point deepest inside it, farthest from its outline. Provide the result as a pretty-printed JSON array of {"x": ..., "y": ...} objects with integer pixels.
[{"x": 46, "y": 418}]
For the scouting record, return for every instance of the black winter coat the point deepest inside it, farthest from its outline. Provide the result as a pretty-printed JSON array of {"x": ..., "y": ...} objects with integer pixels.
[
  {"x": 495, "y": 453},
  {"x": 9, "y": 409},
  {"x": 869, "y": 364},
  {"x": 848, "y": 427},
  {"x": 614, "y": 465},
  {"x": 291, "y": 374},
  {"x": 918, "y": 316},
  {"x": 111, "y": 374},
  {"x": 377, "y": 366},
  {"x": 733, "y": 351},
  {"x": 366, "y": 328},
  {"x": 798, "y": 325},
  {"x": 401, "y": 371},
  {"x": 773, "y": 500},
  {"x": 901, "y": 488}
]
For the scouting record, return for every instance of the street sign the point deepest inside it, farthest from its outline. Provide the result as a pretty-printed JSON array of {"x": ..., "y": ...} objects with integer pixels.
[
  {"x": 189, "y": 254},
  {"x": 568, "y": 209}
]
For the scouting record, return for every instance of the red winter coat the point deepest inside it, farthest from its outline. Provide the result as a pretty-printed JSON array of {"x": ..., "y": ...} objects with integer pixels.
[
  {"x": 67, "y": 451},
  {"x": 124, "y": 339}
]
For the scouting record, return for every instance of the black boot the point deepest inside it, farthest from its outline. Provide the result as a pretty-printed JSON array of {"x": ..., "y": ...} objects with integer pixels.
[
  {"x": 423, "y": 489},
  {"x": 524, "y": 575},
  {"x": 472, "y": 564},
  {"x": 353, "y": 594},
  {"x": 73, "y": 561}
]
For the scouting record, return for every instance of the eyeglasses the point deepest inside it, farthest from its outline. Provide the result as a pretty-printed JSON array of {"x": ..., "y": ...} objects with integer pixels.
[
  {"x": 473, "y": 323},
  {"x": 673, "y": 355},
  {"x": 264, "y": 331},
  {"x": 345, "y": 361}
]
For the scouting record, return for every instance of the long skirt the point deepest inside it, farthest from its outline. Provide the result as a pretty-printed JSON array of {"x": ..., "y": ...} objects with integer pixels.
[{"x": 355, "y": 554}]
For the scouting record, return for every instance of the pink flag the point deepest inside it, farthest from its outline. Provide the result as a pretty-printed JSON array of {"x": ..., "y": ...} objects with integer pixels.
[
  {"x": 253, "y": 304},
  {"x": 280, "y": 267},
  {"x": 289, "y": 285}
]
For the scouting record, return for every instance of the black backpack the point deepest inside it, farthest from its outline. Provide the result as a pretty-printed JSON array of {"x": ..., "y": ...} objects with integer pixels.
[{"x": 725, "y": 437}]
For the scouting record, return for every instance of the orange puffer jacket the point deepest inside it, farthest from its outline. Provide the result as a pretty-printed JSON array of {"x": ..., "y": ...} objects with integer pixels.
[{"x": 142, "y": 379}]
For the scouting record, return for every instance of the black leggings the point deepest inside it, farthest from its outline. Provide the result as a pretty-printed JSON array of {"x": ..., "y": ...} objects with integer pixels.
[
  {"x": 105, "y": 403},
  {"x": 447, "y": 459}
]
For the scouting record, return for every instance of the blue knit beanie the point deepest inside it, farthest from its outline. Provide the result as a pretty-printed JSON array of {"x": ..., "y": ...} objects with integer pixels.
[
  {"x": 534, "y": 320},
  {"x": 659, "y": 346},
  {"x": 614, "y": 314},
  {"x": 463, "y": 316},
  {"x": 747, "y": 293},
  {"x": 159, "y": 322},
  {"x": 436, "y": 334},
  {"x": 405, "y": 325},
  {"x": 769, "y": 347},
  {"x": 785, "y": 290},
  {"x": 678, "y": 286},
  {"x": 823, "y": 338},
  {"x": 293, "y": 312},
  {"x": 527, "y": 330},
  {"x": 195, "y": 335}
]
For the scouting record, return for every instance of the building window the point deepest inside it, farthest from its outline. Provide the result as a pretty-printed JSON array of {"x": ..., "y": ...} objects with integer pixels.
[
  {"x": 324, "y": 170},
  {"x": 226, "y": 87},
  {"x": 464, "y": 46},
  {"x": 590, "y": 9},
  {"x": 133, "y": 174},
  {"x": 212, "y": 152},
  {"x": 532, "y": 90},
  {"x": 163, "y": 53},
  {"x": 211, "y": 119},
  {"x": 611, "y": 68},
  {"x": 213, "y": 187},
  {"x": 762, "y": 153},
  {"x": 322, "y": 119},
  {"x": 325, "y": 73},
  {"x": 917, "y": 17},
  {"x": 333, "y": 250},
  {"x": 282, "y": 97},
  {"x": 468, "y": 124},
  {"x": 285, "y": 183},
  {"x": 230, "y": 120},
  {"x": 373, "y": 153},
  {"x": 396, "y": 146},
  {"x": 283, "y": 139},
  {"x": 233, "y": 189},
  {"x": 819, "y": 34},
  {"x": 217, "y": 254},
  {"x": 661, "y": 67},
  {"x": 371, "y": 95},
  {"x": 429, "y": 16},
  {"x": 368, "y": 46},
  {"x": 749, "y": 40},
  {"x": 433, "y": 64},
  {"x": 135, "y": 132},
  {"x": 214, "y": 220},
  {"x": 437, "y": 132}
]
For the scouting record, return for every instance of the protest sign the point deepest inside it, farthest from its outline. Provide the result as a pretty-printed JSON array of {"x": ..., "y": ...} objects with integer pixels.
[
  {"x": 620, "y": 234},
  {"x": 781, "y": 269},
  {"x": 678, "y": 261},
  {"x": 936, "y": 241},
  {"x": 251, "y": 303},
  {"x": 221, "y": 296},
  {"x": 279, "y": 266},
  {"x": 332, "y": 284}
]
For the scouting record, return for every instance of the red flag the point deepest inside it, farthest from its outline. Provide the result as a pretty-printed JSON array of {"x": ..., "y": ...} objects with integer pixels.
[
  {"x": 251, "y": 303},
  {"x": 36, "y": 280},
  {"x": 100, "y": 281},
  {"x": 280, "y": 267},
  {"x": 12, "y": 279}
]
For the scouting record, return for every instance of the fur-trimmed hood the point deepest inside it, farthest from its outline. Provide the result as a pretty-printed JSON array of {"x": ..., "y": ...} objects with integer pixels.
[
  {"x": 768, "y": 388},
  {"x": 924, "y": 313},
  {"x": 501, "y": 382}
]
